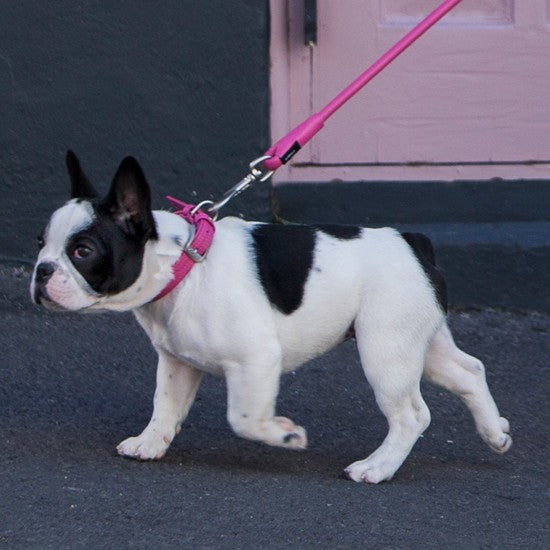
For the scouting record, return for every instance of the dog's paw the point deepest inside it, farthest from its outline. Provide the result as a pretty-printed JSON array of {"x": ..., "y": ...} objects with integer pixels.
[
  {"x": 276, "y": 431},
  {"x": 294, "y": 437},
  {"x": 370, "y": 471},
  {"x": 503, "y": 441},
  {"x": 144, "y": 447}
]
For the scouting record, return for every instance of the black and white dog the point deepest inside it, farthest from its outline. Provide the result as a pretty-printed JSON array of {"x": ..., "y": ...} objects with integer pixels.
[{"x": 266, "y": 299}]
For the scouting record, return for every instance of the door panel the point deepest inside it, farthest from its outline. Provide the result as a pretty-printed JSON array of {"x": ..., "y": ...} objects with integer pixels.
[
  {"x": 470, "y": 99},
  {"x": 483, "y": 12}
]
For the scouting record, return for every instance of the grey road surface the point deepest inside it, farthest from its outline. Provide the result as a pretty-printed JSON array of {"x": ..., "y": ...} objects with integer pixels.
[{"x": 73, "y": 386}]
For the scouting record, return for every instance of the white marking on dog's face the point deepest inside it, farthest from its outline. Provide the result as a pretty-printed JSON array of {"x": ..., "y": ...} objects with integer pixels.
[{"x": 65, "y": 288}]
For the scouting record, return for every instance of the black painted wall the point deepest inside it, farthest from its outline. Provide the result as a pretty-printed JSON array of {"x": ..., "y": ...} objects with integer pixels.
[{"x": 182, "y": 85}]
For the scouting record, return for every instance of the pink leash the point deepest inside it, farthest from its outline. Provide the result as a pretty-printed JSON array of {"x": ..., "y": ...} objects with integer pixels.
[{"x": 282, "y": 151}]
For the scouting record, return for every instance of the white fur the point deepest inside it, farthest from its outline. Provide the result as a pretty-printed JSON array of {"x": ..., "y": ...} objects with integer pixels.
[
  {"x": 219, "y": 320},
  {"x": 66, "y": 288}
]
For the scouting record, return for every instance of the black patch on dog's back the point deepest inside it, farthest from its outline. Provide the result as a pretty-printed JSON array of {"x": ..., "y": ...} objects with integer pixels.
[
  {"x": 284, "y": 257},
  {"x": 342, "y": 232},
  {"x": 423, "y": 250}
]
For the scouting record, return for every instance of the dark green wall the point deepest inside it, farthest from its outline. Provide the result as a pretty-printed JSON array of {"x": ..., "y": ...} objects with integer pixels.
[{"x": 182, "y": 85}]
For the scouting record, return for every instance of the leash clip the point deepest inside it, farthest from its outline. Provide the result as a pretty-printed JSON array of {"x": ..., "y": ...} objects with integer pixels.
[{"x": 256, "y": 174}]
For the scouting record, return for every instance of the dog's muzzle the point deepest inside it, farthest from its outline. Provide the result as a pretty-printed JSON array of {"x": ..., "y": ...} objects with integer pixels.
[{"x": 42, "y": 274}]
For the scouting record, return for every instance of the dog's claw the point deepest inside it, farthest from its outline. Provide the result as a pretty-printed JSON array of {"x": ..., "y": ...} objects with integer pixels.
[
  {"x": 504, "y": 446},
  {"x": 296, "y": 437},
  {"x": 296, "y": 440},
  {"x": 499, "y": 442},
  {"x": 345, "y": 475}
]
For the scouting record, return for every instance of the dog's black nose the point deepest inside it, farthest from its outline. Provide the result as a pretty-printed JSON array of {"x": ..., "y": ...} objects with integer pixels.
[{"x": 44, "y": 271}]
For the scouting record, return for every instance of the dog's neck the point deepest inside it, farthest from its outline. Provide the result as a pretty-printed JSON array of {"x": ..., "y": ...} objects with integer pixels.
[
  {"x": 159, "y": 257},
  {"x": 201, "y": 231},
  {"x": 167, "y": 260}
]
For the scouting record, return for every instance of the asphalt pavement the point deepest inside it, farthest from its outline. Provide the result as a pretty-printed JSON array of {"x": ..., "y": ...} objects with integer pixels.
[{"x": 73, "y": 386}]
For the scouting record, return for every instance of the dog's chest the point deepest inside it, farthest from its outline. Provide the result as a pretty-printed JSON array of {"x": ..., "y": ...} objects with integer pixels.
[{"x": 184, "y": 339}]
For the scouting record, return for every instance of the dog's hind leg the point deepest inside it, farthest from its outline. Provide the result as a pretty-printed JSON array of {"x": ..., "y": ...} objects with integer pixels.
[
  {"x": 252, "y": 390},
  {"x": 448, "y": 366},
  {"x": 177, "y": 385},
  {"x": 393, "y": 364}
]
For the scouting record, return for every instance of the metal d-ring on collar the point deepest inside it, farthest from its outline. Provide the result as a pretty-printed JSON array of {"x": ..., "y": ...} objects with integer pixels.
[
  {"x": 200, "y": 205},
  {"x": 255, "y": 175}
]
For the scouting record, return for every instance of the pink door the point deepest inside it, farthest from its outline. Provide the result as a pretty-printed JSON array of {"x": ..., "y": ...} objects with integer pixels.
[{"x": 469, "y": 100}]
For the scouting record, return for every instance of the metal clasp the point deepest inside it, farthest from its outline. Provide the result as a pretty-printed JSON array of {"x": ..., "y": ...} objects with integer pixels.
[
  {"x": 193, "y": 253},
  {"x": 258, "y": 174},
  {"x": 255, "y": 175},
  {"x": 200, "y": 205}
]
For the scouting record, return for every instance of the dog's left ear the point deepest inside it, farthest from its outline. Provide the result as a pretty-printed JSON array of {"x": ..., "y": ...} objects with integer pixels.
[{"x": 129, "y": 200}]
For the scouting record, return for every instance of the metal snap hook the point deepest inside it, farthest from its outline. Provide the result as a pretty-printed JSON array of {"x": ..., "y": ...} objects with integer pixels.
[
  {"x": 258, "y": 174},
  {"x": 254, "y": 175}
]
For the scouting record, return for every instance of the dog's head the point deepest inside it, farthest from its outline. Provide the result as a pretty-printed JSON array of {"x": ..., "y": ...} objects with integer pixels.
[{"x": 92, "y": 249}]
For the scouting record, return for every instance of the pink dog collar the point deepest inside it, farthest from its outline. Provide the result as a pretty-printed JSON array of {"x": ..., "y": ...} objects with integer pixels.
[{"x": 195, "y": 250}]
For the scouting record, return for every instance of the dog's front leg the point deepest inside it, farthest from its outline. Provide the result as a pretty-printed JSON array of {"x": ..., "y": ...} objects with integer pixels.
[
  {"x": 177, "y": 385},
  {"x": 251, "y": 394}
]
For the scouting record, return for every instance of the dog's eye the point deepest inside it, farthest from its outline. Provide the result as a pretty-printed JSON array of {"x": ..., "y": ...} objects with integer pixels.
[
  {"x": 40, "y": 241},
  {"x": 81, "y": 251}
]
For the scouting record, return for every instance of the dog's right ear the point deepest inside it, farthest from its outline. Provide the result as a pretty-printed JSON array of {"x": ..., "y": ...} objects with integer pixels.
[
  {"x": 81, "y": 188},
  {"x": 129, "y": 201}
]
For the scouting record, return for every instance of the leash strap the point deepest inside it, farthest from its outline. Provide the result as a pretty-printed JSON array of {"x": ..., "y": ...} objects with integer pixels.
[
  {"x": 202, "y": 233},
  {"x": 282, "y": 151}
]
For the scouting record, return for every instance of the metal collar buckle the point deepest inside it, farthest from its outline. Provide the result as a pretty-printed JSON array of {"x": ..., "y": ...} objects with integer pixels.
[{"x": 193, "y": 253}]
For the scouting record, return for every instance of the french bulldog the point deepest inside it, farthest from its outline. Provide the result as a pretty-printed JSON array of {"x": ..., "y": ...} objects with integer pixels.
[{"x": 258, "y": 301}]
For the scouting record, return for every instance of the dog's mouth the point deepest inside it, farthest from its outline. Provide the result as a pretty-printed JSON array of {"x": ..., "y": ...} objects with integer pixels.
[{"x": 41, "y": 298}]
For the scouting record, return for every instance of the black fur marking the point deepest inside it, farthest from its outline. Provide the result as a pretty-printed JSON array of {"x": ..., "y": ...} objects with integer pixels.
[
  {"x": 113, "y": 258},
  {"x": 423, "y": 250},
  {"x": 81, "y": 188},
  {"x": 129, "y": 200},
  {"x": 284, "y": 258},
  {"x": 344, "y": 475},
  {"x": 289, "y": 437},
  {"x": 350, "y": 332},
  {"x": 343, "y": 232}
]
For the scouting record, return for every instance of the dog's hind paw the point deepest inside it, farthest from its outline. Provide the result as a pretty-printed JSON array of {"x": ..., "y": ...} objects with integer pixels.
[
  {"x": 499, "y": 441},
  {"x": 504, "y": 441},
  {"x": 504, "y": 444}
]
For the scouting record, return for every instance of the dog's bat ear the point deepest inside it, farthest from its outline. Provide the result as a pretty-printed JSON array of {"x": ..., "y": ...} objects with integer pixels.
[
  {"x": 81, "y": 188},
  {"x": 129, "y": 200}
]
